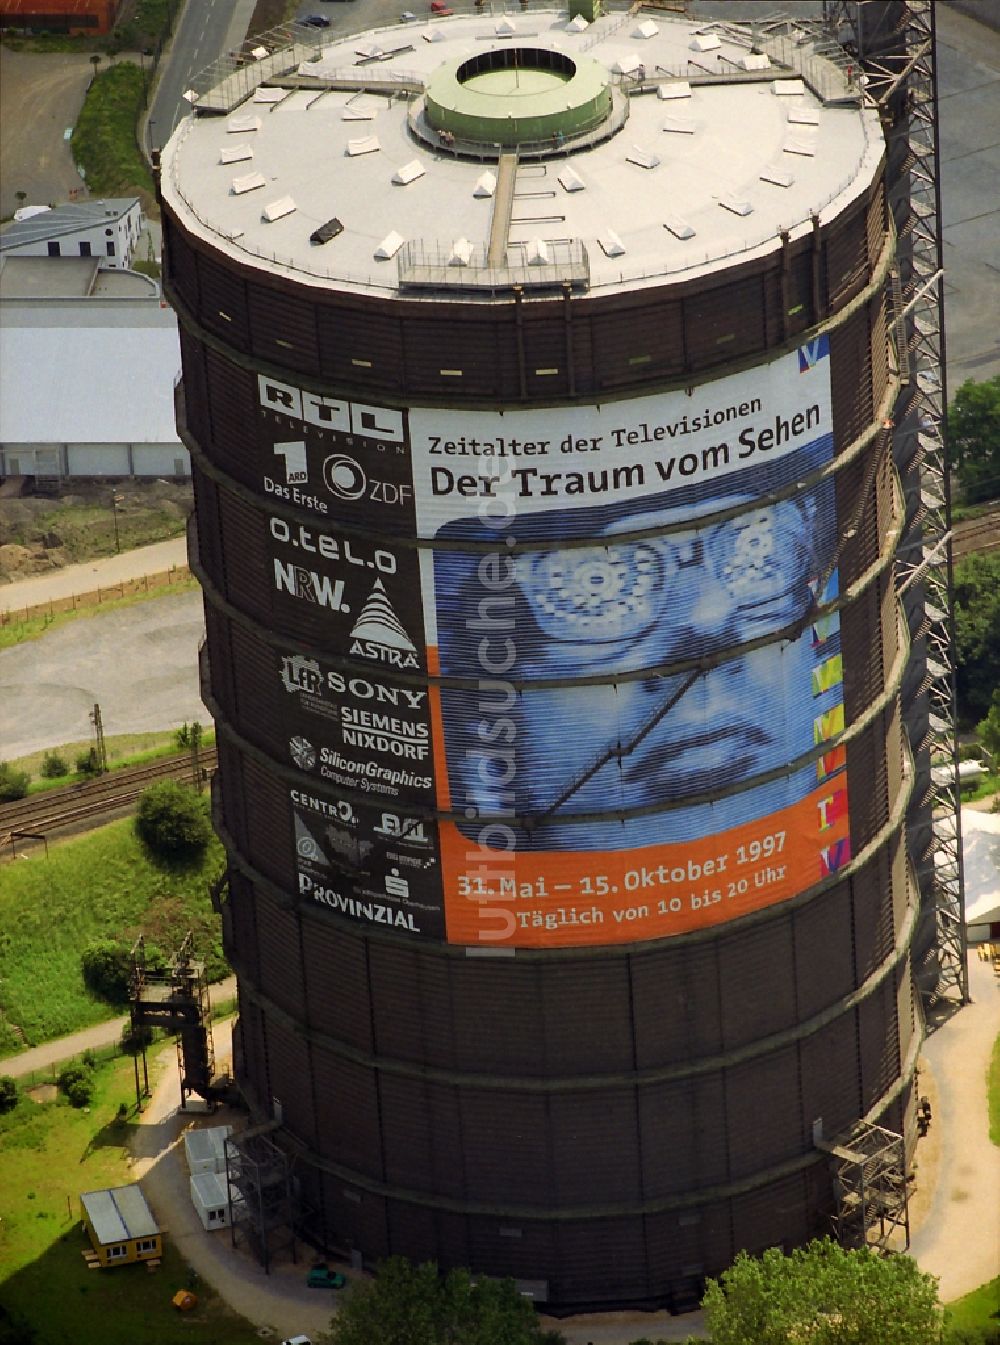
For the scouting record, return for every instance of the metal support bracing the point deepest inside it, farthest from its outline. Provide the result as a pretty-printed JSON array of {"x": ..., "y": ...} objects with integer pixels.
[
  {"x": 263, "y": 1210},
  {"x": 869, "y": 1177},
  {"x": 895, "y": 43},
  {"x": 177, "y": 1001}
]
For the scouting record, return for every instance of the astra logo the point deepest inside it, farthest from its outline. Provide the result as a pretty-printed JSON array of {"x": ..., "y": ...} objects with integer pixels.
[{"x": 331, "y": 413}]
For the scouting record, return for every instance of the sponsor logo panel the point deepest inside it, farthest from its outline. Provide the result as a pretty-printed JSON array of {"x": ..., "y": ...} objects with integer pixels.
[
  {"x": 376, "y": 865},
  {"x": 367, "y": 596},
  {"x": 339, "y": 459},
  {"x": 358, "y": 730}
]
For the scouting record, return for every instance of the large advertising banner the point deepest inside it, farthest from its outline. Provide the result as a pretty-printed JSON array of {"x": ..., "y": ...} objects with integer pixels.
[{"x": 586, "y": 781}]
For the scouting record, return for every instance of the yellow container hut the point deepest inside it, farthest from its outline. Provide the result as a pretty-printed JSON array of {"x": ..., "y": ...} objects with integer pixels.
[{"x": 120, "y": 1225}]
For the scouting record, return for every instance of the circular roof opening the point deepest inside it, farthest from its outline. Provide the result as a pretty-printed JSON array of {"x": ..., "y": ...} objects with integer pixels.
[
  {"x": 514, "y": 72},
  {"x": 517, "y": 95}
]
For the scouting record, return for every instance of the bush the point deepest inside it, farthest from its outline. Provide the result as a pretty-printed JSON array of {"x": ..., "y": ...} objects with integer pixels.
[
  {"x": 87, "y": 763},
  {"x": 135, "y": 1039},
  {"x": 77, "y": 1082},
  {"x": 106, "y": 967},
  {"x": 8, "y": 1093},
  {"x": 53, "y": 765},
  {"x": 172, "y": 820},
  {"x": 13, "y": 784}
]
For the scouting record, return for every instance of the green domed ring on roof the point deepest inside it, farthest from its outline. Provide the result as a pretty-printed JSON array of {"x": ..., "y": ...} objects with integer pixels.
[{"x": 511, "y": 95}]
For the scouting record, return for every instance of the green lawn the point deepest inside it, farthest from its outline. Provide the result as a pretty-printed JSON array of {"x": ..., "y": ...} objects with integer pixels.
[
  {"x": 104, "y": 139},
  {"x": 95, "y": 886},
  {"x": 978, "y": 1310},
  {"x": 124, "y": 749},
  {"x": 49, "y": 1154}
]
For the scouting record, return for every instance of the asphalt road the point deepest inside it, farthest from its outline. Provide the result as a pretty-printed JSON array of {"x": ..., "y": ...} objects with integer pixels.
[{"x": 205, "y": 30}]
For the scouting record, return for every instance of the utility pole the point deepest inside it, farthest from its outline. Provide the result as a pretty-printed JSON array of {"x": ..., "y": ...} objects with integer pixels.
[
  {"x": 195, "y": 739},
  {"x": 100, "y": 750}
]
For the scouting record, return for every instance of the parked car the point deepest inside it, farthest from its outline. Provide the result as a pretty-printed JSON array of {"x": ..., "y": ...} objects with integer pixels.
[
  {"x": 322, "y": 1277},
  {"x": 315, "y": 21},
  {"x": 440, "y": 7}
]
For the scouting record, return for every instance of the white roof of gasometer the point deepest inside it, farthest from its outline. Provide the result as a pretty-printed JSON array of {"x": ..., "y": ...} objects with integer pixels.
[
  {"x": 708, "y": 162},
  {"x": 119, "y": 1214}
]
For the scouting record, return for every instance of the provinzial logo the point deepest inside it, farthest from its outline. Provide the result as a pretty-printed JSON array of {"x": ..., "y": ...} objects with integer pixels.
[{"x": 378, "y": 632}]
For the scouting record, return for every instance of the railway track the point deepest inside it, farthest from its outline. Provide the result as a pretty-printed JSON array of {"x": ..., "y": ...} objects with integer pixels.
[
  {"x": 90, "y": 802},
  {"x": 977, "y": 534}
]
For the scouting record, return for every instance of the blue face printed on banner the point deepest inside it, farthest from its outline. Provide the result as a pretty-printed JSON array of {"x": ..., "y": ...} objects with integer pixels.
[
  {"x": 620, "y": 749},
  {"x": 686, "y": 593}
]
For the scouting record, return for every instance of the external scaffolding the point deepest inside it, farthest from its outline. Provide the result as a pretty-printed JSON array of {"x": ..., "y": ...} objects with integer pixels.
[
  {"x": 870, "y": 1184},
  {"x": 263, "y": 1207},
  {"x": 894, "y": 43}
]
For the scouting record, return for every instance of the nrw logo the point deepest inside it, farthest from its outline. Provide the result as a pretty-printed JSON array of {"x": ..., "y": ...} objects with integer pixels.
[
  {"x": 378, "y": 632},
  {"x": 309, "y": 586},
  {"x": 299, "y": 673}
]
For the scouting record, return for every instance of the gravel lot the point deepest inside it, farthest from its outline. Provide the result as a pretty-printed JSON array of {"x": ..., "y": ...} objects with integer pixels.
[{"x": 139, "y": 663}]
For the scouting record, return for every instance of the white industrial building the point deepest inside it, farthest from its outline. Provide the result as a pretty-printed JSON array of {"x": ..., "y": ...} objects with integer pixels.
[
  {"x": 107, "y": 230},
  {"x": 205, "y": 1149},
  {"x": 210, "y": 1197},
  {"x": 88, "y": 362}
]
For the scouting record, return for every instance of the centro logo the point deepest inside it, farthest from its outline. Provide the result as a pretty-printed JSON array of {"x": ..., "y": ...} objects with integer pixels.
[{"x": 330, "y": 413}]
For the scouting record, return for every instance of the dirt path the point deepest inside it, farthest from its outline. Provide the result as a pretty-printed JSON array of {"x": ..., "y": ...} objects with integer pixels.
[
  {"x": 41, "y": 1058},
  {"x": 41, "y": 95},
  {"x": 91, "y": 574},
  {"x": 959, "y": 1241}
]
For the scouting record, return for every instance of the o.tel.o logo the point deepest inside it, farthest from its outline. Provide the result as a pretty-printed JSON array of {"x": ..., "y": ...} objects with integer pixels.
[{"x": 344, "y": 477}]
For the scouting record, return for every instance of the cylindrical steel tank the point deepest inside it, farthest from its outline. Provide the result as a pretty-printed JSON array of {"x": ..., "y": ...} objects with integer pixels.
[{"x": 546, "y": 542}]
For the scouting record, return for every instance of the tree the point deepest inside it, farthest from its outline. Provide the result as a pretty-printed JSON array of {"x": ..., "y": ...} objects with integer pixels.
[
  {"x": 8, "y": 1093},
  {"x": 989, "y": 730},
  {"x": 974, "y": 438},
  {"x": 106, "y": 967},
  {"x": 413, "y": 1305},
  {"x": 977, "y": 634},
  {"x": 823, "y": 1294},
  {"x": 173, "y": 821}
]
